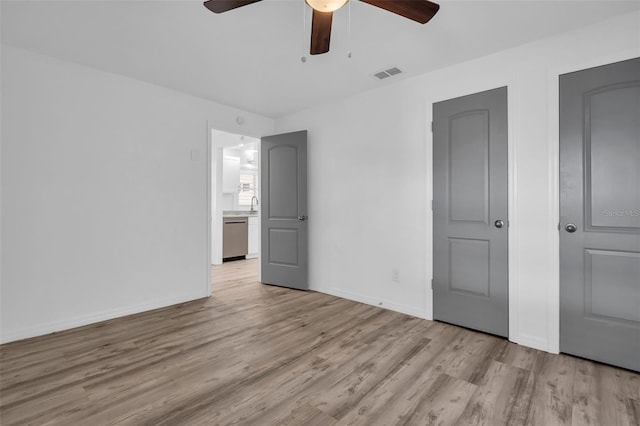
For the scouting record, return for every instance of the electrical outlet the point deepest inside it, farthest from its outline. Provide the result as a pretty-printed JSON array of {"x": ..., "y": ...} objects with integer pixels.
[{"x": 395, "y": 275}]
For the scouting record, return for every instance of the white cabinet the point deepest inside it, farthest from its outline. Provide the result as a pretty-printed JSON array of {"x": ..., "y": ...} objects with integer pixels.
[
  {"x": 254, "y": 237},
  {"x": 230, "y": 174}
]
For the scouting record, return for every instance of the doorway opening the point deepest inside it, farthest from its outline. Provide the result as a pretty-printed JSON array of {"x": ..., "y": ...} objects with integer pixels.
[{"x": 235, "y": 204}]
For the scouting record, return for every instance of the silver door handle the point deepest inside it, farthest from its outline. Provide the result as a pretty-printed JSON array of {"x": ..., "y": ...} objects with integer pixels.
[
  {"x": 570, "y": 228},
  {"x": 302, "y": 218},
  {"x": 499, "y": 223}
]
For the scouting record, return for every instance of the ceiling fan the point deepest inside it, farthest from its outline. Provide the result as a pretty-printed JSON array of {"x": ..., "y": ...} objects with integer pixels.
[{"x": 417, "y": 10}]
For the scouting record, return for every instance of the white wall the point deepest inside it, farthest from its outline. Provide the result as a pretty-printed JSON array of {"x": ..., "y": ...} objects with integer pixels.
[
  {"x": 372, "y": 152},
  {"x": 104, "y": 192}
]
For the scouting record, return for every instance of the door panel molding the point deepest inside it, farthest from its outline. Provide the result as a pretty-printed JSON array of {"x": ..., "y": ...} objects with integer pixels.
[
  {"x": 463, "y": 210},
  {"x": 283, "y": 236},
  {"x": 610, "y": 262},
  {"x": 607, "y": 209},
  {"x": 461, "y": 283},
  {"x": 290, "y": 186}
]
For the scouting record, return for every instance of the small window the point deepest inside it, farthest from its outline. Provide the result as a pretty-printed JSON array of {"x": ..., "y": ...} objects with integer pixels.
[{"x": 247, "y": 189}]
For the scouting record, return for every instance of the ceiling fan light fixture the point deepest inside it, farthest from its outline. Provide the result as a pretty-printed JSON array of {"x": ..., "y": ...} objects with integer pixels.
[{"x": 326, "y": 5}]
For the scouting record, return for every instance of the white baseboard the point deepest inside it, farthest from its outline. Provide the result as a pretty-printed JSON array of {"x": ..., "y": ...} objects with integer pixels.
[
  {"x": 386, "y": 304},
  {"x": 534, "y": 342},
  {"x": 428, "y": 306},
  {"x": 66, "y": 324}
]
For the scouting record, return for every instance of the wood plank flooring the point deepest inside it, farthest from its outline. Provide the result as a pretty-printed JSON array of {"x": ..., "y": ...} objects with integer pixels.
[{"x": 254, "y": 354}]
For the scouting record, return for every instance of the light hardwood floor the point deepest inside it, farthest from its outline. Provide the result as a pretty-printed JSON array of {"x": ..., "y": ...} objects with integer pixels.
[{"x": 262, "y": 355}]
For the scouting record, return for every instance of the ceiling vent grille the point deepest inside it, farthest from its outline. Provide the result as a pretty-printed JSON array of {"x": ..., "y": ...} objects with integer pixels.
[{"x": 387, "y": 73}]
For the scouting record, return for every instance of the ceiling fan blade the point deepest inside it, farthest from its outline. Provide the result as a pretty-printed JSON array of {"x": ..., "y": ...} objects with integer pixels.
[
  {"x": 320, "y": 32},
  {"x": 417, "y": 10},
  {"x": 219, "y": 6}
]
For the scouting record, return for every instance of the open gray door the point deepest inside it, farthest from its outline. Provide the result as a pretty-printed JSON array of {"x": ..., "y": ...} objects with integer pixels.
[
  {"x": 600, "y": 214},
  {"x": 284, "y": 210},
  {"x": 470, "y": 256}
]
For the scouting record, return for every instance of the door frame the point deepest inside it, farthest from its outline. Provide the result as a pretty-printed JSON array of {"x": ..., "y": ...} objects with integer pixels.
[
  {"x": 208, "y": 207},
  {"x": 512, "y": 94},
  {"x": 553, "y": 149}
]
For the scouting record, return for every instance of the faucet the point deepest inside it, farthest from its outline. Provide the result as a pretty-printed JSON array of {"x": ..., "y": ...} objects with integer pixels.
[{"x": 254, "y": 198}]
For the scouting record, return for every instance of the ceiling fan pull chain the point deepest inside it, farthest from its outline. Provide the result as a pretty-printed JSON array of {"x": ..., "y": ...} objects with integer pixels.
[
  {"x": 304, "y": 30},
  {"x": 349, "y": 27}
]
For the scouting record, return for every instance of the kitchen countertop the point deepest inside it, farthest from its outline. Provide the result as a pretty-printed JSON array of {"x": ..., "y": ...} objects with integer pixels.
[{"x": 240, "y": 213}]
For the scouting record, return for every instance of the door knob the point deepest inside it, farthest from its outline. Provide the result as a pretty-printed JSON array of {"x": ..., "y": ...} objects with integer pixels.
[
  {"x": 570, "y": 228},
  {"x": 499, "y": 223},
  {"x": 302, "y": 218}
]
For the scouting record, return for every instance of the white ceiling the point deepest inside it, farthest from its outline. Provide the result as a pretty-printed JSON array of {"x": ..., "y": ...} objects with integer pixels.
[{"x": 250, "y": 58}]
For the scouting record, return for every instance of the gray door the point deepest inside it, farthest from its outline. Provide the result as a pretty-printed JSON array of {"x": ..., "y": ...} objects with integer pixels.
[
  {"x": 470, "y": 286},
  {"x": 284, "y": 210},
  {"x": 600, "y": 213}
]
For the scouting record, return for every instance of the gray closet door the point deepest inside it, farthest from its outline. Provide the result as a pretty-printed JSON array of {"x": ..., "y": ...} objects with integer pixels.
[
  {"x": 283, "y": 256},
  {"x": 600, "y": 213},
  {"x": 470, "y": 286}
]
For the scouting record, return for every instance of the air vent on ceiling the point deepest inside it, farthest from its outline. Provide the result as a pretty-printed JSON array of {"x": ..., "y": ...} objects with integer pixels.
[{"x": 387, "y": 73}]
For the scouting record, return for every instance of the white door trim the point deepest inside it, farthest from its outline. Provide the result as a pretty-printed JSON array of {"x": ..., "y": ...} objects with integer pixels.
[
  {"x": 553, "y": 297},
  {"x": 209, "y": 216},
  {"x": 512, "y": 194}
]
